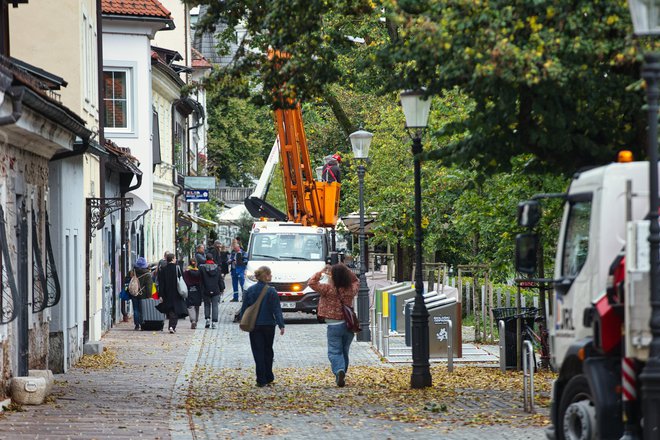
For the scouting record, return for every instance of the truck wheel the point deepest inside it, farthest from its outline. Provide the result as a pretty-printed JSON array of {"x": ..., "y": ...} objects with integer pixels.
[{"x": 577, "y": 414}]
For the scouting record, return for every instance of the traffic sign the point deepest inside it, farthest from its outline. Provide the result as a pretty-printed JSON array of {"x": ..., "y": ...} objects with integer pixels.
[
  {"x": 199, "y": 182},
  {"x": 196, "y": 195}
]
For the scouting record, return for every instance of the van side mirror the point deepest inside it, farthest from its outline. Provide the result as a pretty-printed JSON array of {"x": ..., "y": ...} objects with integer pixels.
[
  {"x": 527, "y": 246},
  {"x": 529, "y": 213}
]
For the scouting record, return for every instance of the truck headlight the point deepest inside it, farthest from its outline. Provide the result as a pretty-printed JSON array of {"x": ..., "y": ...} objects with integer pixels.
[{"x": 250, "y": 275}]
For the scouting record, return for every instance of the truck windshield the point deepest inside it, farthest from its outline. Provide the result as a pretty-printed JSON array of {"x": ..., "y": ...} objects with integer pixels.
[
  {"x": 287, "y": 246},
  {"x": 576, "y": 243}
]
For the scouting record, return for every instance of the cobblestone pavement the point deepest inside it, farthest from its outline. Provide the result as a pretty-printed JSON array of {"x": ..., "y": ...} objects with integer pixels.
[{"x": 143, "y": 395}]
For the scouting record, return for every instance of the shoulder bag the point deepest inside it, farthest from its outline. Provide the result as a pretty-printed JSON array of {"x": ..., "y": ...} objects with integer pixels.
[
  {"x": 181, "y": 285},
  {"x": 351, "y": 319},
  {"x": 249, "y": 319}
]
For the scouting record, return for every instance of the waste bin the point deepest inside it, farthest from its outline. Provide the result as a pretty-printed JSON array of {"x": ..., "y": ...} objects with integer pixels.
[
  {"x": 439, "y": 313},
  {"x": 397, "y": 316},
  {"x": 509, "y": 316},
  {"x": 379, "y": 294},
  {"x": 430, "y": 299}
]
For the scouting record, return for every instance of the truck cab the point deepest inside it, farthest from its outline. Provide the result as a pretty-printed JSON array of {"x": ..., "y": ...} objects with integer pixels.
[
  {"x": 599, "y": 237},
  {"x": 294, "y": 253},
  {"x": 592, "y": 234}
]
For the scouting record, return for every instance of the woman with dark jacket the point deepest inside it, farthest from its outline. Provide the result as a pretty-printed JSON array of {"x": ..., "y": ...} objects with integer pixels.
[
  {"x": 263, "y": 335},
  {"x": 173, "y": 306},
  {"x": 143, "y": 274},
  {"x": 193, "y": 280},
  {"x": 212, "y": 287},
  {"x": 341, "y": 288}
]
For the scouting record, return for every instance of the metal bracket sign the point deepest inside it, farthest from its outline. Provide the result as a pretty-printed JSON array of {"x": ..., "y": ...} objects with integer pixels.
[
  {"x": 199, "y": 182},
  {"x": 196, "y": 195}
]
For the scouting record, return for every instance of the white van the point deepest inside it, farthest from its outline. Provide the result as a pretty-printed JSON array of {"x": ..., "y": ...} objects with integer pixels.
[{"x": 294, "y": 253}]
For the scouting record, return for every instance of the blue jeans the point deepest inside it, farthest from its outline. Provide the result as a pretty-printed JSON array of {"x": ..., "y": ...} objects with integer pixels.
[
  {"x": 137, "y": 311},
  {"x": 339, "y": 343},
  {"x": 237, "y": 277}
]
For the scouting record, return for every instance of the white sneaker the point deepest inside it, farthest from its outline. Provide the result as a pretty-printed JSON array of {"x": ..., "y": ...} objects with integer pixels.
[
  {"x": 208, "y": 323},
  {"x": 214, "y": 325},
  {"x": 171, "y": 330}
]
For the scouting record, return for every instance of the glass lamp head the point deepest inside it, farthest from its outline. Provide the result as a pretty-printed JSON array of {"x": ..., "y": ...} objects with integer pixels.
[
  {"x": 360, "y": 142},
  {"x": 416, "y": 108}
]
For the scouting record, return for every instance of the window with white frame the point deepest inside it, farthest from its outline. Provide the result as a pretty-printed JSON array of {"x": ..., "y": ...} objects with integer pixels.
[
  {"x": 88, "y": 37},
  {"x": 117, "y": 99}
]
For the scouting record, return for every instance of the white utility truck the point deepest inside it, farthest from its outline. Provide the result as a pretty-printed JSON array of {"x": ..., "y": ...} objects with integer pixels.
[
  {"x": 598, "y": 316},
  {"x": 294, "y": 253}
]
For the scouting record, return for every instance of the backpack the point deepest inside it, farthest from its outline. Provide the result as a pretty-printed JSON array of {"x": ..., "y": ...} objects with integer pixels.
[{"x": 134, "y": 285}]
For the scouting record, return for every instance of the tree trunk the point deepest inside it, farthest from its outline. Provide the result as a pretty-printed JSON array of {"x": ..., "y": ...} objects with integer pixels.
[
  {"x": 404, "y": 260},
  {"x": 338, "y": 110}
]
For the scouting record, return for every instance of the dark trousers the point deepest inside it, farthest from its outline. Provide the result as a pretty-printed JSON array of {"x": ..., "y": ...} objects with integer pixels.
[
  {"x": 173, "y": 318},
  {"x": 261, "y": 342}
]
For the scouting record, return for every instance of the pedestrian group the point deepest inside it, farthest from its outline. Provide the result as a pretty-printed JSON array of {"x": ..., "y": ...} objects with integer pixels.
[{"x": 157, "y": 291}]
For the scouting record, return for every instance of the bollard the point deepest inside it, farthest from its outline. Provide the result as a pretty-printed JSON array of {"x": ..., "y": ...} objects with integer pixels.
[
  {"x": 372, "y": 324},
  {"x": 379, "y": 332},
  {"x": 386, "y": 337},
  {"x": 528, "y": 376},
  {"x": 450, "y": 346},
  {"x": 500, "y": 326}
]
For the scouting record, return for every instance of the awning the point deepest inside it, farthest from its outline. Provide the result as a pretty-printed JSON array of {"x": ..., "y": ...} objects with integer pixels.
[
  {"x": 352, "y": 222},
  {"x": 205, "y": 223}
]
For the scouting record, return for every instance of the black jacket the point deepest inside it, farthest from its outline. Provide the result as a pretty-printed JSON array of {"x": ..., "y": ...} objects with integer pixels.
[
  {"x": 212, "y": 279},
  {"x": 172, "y": 301}
]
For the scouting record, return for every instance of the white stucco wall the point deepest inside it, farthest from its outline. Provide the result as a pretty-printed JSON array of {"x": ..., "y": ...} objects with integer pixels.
[
  {"x": 63, "y": 41},
  {"x": 127, "y": 47},
  {"x": 160, "y": 233},
  {"x": 179, "y": 38}
]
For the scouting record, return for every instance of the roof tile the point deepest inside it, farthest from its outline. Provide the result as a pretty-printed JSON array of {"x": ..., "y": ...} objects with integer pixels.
[
  {"x": 140, "y": 8},
  {"x": 198, "y": 60}
]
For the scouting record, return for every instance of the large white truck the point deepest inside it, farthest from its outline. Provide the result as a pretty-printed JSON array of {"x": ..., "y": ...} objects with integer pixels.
[
  {"x": 294, "y": 253},
  {"x": 598, "y": 314}
]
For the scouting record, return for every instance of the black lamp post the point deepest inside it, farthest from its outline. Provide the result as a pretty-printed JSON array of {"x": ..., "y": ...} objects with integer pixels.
[
  {"x": 416, "y": 108},
  {"x": 646, "y": 21},
  {"x": 361, "y": 141}
]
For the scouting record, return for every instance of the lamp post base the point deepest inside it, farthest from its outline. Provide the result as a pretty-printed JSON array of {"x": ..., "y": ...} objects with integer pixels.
[
  {"x": 421, "y": 371},
  {"x": 363, "y": 310}
]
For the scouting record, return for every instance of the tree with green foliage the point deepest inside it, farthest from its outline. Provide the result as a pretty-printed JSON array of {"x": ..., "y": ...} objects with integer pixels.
[
  {"x": 524, "y": 93},
  {"x": 240, "y": 136}
]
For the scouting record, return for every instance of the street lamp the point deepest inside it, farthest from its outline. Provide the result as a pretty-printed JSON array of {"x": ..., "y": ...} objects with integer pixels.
[
  {"x": 416, "y": 108},
  {"x": 360, "y": 141},
  {"x": 646, "y": 22}
]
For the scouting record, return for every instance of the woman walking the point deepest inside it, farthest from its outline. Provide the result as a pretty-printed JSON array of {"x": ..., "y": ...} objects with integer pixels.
[
  {"x": 263, "y": 335},
  {"x": 212, "y": 287},
  {"x": 341, "y": 288},
  {"x": 144, "y": 278},
  {"x": 173, "y": 306},
  {"x": 193, "y": 280}
]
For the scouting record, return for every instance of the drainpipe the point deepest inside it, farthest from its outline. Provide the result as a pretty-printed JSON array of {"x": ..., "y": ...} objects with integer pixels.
[
  {"x": 134, "y": 187},
  {"x": 174, "y": 170},
  {"x": 15, "y": 93}
]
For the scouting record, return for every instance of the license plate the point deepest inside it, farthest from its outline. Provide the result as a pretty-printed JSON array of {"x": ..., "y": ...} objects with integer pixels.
[{"x": 288, "y": 304}]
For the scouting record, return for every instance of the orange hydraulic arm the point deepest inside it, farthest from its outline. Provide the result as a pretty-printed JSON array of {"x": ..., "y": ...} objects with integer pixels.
[{"x": 308, "y": 202}]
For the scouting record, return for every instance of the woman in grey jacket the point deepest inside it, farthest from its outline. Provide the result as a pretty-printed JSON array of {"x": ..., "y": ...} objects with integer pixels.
[{"x": 263, "y": 335}]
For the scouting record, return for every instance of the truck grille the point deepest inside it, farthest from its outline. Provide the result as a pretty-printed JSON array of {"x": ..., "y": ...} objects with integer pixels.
[{"x": 289, "y": 287}]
